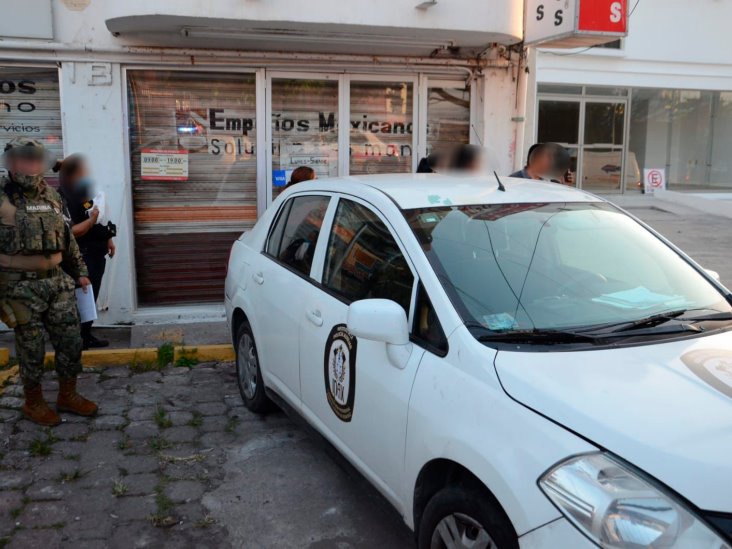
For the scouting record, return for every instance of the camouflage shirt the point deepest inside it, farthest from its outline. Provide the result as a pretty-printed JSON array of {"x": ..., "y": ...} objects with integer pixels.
[{"x": 35, "y": 226}]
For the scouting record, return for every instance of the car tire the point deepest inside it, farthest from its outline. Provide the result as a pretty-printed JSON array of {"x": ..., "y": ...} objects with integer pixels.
[
  {"x": 469, "y": 516},
  {"x": 248, "y": 372}
]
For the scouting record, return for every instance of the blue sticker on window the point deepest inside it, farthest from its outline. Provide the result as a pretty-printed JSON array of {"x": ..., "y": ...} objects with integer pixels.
[{"x": 279, "y": 178}]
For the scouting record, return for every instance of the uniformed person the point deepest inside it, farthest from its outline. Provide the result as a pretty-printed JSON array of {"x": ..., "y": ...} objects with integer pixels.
[
  {"x": 40, "y": 265},
  {"x": 95, "y": 240}
]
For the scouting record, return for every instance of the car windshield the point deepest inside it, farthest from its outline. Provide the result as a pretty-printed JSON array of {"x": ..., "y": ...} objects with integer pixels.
[{"x": 531, "y": 267}]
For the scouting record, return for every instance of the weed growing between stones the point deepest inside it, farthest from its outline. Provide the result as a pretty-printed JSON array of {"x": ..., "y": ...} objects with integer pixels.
[
  {"x": 161, "y": 418},
  {"x": 196, "y": 420},
  {"x": 205, "y": 521},
  {"x": 42, "y": 446},
  {"x": 166, "y": 355},
  {"x": 164, "y": 504},
  {"x": 159, "y": 443},
  {"x": 231, "y": 424},
  {"x": 119, "y": 488},
  {"x": 123, "y": 444},
  {"x": 71, "y": 476}
]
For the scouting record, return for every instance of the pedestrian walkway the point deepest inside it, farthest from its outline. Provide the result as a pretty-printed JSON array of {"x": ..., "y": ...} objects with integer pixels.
[{"x": 175, "y": 460}]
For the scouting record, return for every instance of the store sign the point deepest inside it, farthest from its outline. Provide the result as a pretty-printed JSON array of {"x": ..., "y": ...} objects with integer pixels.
[
  {"x": 654, "y": 180},
  {"x": 164, "y": 165},
  {"x": 575, "y": 23},
  {"x": 29, "y": 106}
]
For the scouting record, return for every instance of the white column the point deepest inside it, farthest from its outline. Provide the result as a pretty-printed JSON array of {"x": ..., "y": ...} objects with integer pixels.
[
  {"x": 500, "y": 117},
  {"x": 94, "y": 124}
]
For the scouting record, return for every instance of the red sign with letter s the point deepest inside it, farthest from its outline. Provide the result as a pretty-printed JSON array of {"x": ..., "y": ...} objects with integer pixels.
[{"x": 603, "y": 16}]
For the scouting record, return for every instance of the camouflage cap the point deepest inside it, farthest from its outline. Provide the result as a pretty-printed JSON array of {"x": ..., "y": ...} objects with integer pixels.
[{"x": 25, "y": 146}]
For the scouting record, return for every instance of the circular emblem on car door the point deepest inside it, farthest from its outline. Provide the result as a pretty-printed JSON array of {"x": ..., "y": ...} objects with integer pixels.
[
  {"x": 713, "y": 366},
  {"x": 340, "y": 371}
]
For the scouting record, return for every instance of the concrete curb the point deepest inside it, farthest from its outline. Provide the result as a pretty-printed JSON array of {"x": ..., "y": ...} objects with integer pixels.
[{"x": 122, "y": 357}]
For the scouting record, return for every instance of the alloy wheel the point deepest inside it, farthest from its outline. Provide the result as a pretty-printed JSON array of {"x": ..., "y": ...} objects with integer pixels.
[
  {"x": 247, "y": 366},
  {"x": 459, "y": 531}
]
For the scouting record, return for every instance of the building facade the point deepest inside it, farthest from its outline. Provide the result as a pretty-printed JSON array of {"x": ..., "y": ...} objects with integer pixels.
[
  {"x": 658, "y": 100},
  {"x": 193, "y": 113}
]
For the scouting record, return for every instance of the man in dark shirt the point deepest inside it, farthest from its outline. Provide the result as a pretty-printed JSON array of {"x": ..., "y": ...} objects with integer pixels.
[
  {"x": 538, "y": 163},
  {"x": 95, "y": 240}
]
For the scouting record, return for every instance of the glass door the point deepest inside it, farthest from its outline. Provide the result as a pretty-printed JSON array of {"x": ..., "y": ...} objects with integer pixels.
[
  {"x": 593, "y": 130},
  {"x": 304, "y": 126},
  {"x": 559, "y": 122},
  {"x": 602, "y": 165}
]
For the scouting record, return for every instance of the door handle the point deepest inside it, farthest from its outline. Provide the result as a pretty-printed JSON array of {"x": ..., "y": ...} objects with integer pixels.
[
  {"x": 258, "y": 277},
  {"x": 315, "y": 317}
]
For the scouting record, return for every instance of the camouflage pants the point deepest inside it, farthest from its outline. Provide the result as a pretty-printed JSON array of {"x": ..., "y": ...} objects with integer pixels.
[{"x": 51, "y": 304}]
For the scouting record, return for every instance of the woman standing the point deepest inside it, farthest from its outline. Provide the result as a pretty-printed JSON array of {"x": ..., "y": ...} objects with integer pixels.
[{"x": 95, "y": 240}]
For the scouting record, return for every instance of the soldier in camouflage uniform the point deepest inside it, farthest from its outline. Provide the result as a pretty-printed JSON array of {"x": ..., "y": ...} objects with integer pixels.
[{"x": 39, "y": 264}]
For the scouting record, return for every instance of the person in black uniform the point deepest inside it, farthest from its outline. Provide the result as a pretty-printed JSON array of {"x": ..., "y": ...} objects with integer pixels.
[{"x": 96, "y": 241}]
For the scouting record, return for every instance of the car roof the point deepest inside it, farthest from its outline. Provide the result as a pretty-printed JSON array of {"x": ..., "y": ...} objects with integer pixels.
[{"x": 410, "y": 191}]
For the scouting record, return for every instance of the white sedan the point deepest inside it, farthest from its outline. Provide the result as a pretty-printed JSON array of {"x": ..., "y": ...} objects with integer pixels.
[{"x": 529, "y": 367}]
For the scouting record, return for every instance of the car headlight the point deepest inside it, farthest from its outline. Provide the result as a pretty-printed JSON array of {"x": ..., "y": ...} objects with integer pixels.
[{"x": 617, "y": 508}]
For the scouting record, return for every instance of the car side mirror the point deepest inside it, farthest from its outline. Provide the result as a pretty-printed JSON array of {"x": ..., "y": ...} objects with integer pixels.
[
  {"x": 713, "y": 274},
  {"x": 382, "y": 320}
]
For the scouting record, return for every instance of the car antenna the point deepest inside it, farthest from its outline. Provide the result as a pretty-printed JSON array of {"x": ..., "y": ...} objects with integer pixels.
[{"x": 501, "y": 187}]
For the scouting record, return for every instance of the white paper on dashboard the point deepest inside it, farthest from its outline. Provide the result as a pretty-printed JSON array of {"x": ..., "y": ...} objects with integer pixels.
[
  {"x": 86, "y": 305},
  {"x": 100, "y": 204}
]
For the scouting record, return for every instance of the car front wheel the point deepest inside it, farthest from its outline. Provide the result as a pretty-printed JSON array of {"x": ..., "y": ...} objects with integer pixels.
[
  {"x": 465, "y": 517},
  {"x": 248, "y": 372}
]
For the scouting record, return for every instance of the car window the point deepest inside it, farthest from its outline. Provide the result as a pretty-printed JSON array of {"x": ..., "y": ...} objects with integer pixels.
[
  {"x": 363, "y": 259},
  {"x": 554, "y": 266},
  {"x": 295, "y": 234},
  {"x": 275, "y": 235},
  {"x": 427, "y": 330}
]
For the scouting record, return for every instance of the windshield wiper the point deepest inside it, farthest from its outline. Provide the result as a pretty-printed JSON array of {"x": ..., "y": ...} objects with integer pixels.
[
  {"x": 649, "y": 321},
  {"x": 656, "y": 320},
  {"x": 547, "y": 337},
  {"x": 719, "y": 315}
]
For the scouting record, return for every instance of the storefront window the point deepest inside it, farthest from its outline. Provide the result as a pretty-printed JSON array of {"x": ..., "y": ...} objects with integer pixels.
[
  {"x": 448, "y": 118},
  {"x": 304, "y": 128},
  {"x": 29, "y": 107},
  {"x": 381, "y": 127},
  {"x": 687, "y": 133},
  {"x": 192, "y": 143}
]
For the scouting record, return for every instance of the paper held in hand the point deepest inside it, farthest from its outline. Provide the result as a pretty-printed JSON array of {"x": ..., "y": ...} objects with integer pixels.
[
  {"x": 86, "y": 305},
  {"x": 99, "y": 203}
]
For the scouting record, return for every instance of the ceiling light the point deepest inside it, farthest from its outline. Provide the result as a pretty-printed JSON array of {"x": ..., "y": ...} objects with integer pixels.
[{"x": 427, "y": 4}]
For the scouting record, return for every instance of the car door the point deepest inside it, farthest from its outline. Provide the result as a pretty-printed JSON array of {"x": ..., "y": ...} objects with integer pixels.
[
  {"x": 281, "y": 280},
  {"x": 350, "y": 389}
]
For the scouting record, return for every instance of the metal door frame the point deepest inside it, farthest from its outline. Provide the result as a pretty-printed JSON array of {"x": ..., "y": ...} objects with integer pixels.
[{"x": 583, "y": 99}]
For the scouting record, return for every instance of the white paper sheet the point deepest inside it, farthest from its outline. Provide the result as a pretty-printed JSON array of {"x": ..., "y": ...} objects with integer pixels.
[
  {"x": 85, "y": 304},
  {"x": 99, "y": 203}
]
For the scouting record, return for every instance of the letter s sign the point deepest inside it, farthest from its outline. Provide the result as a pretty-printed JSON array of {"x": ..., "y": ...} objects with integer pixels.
[
  {"x": 609, "y": 16},
  {"x": 616, "y": 12}
]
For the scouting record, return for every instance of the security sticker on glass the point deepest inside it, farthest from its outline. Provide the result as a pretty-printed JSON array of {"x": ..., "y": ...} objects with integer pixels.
[{"x": 340, "y": 371}]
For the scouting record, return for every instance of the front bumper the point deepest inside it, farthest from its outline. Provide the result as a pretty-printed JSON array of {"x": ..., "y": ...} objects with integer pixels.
[{"x": 559, "y": 534}]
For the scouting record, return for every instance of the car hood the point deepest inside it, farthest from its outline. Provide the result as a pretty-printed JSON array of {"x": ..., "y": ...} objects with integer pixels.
[{"x": 666, "y": 408}]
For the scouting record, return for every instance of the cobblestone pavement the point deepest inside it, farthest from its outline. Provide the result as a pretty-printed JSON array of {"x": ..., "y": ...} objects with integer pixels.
[{"x": 175, "y": 460}]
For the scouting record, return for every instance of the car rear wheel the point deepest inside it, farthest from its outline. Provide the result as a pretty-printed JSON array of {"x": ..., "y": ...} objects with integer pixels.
[
  {"x": 248, "y": 372},
  {"x": 465, "y": 517}
]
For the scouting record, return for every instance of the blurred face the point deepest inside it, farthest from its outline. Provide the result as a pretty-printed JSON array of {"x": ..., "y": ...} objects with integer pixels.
[
  {"x": 542, "y": 163},
  {"x": 27, "y": 165}
]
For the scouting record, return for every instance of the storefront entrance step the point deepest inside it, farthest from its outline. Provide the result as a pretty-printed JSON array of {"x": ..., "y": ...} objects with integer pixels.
[{"x": 193, "y": 333}]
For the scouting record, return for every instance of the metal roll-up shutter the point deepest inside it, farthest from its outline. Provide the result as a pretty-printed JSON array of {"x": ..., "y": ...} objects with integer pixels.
[
  {"x": 448, "y": 118},
  {"x": 30, "y": 106},
  {"x": 381, "y": 127},
  {"x": 192, "y": 142}
]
